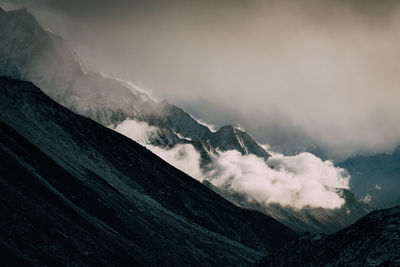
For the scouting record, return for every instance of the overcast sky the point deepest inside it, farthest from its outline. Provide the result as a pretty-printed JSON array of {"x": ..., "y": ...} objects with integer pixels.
[{"x": 292, "y": 73}]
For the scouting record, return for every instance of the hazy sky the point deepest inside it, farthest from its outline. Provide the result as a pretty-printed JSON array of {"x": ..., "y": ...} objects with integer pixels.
[{"x": 291, "y": 73}]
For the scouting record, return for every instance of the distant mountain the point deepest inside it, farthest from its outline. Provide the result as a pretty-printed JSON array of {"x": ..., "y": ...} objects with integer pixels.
[
  {"x": 374, "y": 240},
  {"x": 74, "y": 192},
  {"x": 307, "y": 219},
  {"x": 28, "y": 52},
  {"x": 376, "y": 178}
]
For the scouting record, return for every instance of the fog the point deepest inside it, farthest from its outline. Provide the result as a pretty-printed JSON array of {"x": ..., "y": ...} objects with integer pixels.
[{"x": 297, "y": 75}]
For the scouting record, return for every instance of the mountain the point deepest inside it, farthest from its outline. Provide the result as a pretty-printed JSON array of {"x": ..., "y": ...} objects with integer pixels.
[
  {"x": 376, "y": 178},
  {"x": 77, "y": 193},
  {"x": 28, "y": 52},
  {"x": 307, "y": 219},
  {"x": 374, "y": 240}
]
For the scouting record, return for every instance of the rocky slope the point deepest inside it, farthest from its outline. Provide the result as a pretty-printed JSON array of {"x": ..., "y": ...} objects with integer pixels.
[
  {"x": 374, "y": 240},
  {"x": 307, "y": 219},
  {"x": 77, "y": 193}
]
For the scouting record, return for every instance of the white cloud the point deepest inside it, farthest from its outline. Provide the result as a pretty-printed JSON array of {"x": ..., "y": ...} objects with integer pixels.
[
  {"x": 297, "y": 181},
  {"x": 183, "y": 156},
  {"x": 136, "y": 130}
]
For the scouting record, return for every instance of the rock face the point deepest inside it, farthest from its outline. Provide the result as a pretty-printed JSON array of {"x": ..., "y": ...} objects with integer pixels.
[
  {"x": 28, "y": 52},
  {"x": 77, "y": 193},
  {"x": 230, "y": 138},
  {"x": 373, "y": 240},
  {"x": 376, "y": 178}
]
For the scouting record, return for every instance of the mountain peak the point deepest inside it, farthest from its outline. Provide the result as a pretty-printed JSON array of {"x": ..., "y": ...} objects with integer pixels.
[
  {"x": 21, "y": 12},
  {"x": 226, "y": 129}
]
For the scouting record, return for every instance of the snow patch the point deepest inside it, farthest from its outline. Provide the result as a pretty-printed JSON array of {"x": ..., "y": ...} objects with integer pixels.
[
  {"x": 367, "y": 199},
  {"x": 182, "y": 137},
  {"x": 240, "y": 128},
  {"x": 241, "y": 143}
]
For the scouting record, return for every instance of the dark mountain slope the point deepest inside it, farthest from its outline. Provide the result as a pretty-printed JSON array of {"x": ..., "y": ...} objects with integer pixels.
[
  {"x": 38, "y": 215},
  {"x": 371, "y": 241},
  {"x": 76, "y": 192}
]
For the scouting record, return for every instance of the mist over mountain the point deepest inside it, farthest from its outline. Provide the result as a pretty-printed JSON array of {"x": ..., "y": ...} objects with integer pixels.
[
  {"x": 293, "y": 74},
  {"x": 228, "y": 158},
  {"x": 75, "y": 192},
  {"x": 268, "y": 97}
]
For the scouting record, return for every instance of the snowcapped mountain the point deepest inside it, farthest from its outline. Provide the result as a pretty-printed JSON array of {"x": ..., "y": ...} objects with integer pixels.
[
  {"x": 28, "y": 52},
  {"x": 374, "y": 240},
  {"x": 77, "y": 193},
  {"x": 376, "y": 178}
]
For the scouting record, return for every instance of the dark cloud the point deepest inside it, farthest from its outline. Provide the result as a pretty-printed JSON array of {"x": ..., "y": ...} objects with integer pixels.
[{"x": 293, "y": 73}]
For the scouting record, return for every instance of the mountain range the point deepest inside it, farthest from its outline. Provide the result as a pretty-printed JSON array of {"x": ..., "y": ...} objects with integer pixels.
[
  {"x": 74, "y": 191},
  {"x": 28, "y": 52}
]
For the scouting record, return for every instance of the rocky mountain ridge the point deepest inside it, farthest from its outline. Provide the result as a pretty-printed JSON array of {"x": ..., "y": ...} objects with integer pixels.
[
  {"x": 77, "y": 193},
  {"x": 374, "y": 240}
]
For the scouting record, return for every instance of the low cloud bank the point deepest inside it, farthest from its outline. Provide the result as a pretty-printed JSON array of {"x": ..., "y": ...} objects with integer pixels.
[{"x": 295, "y": 181}]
